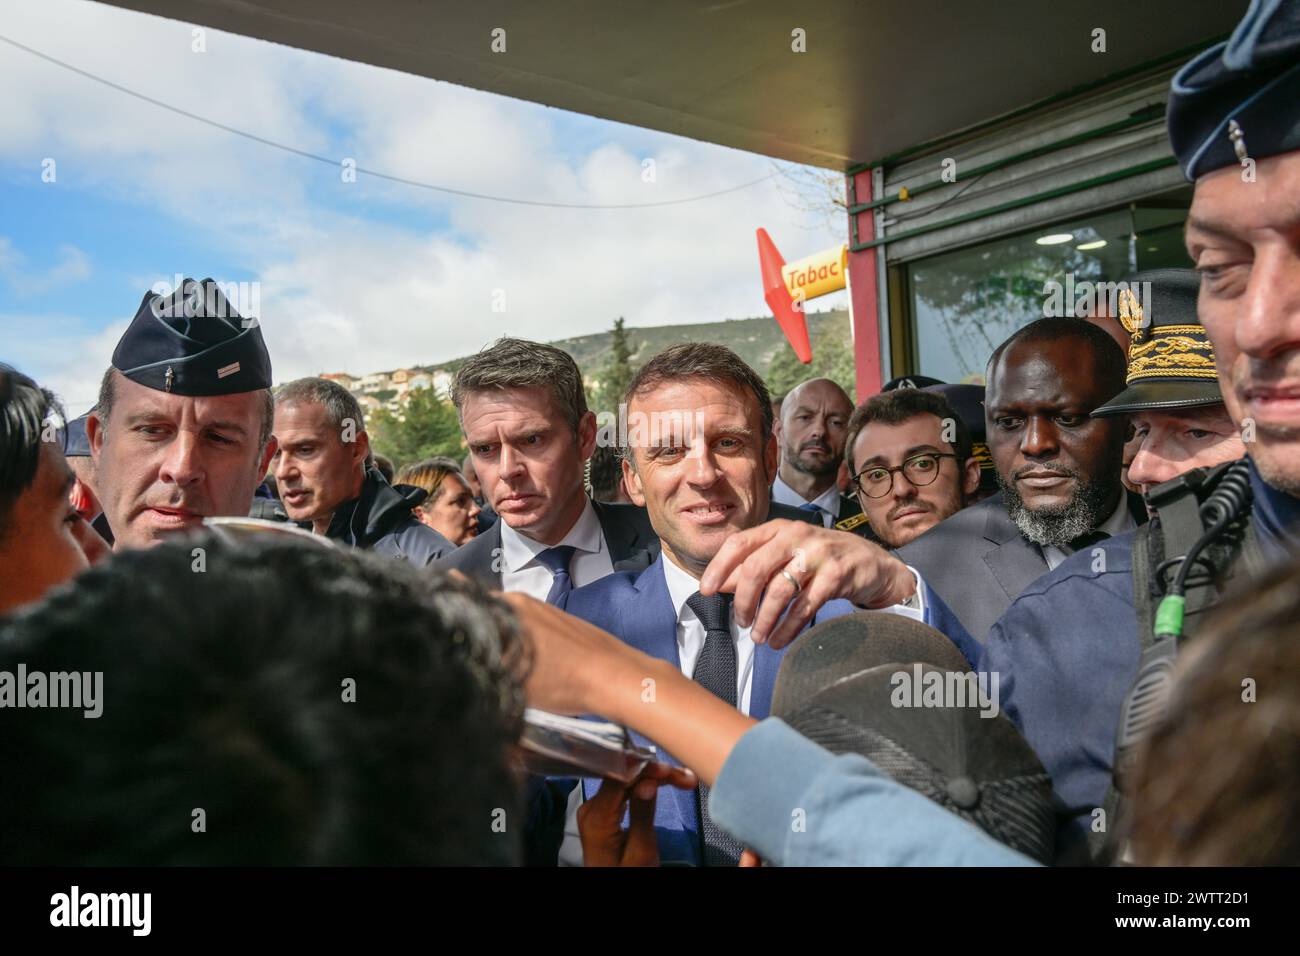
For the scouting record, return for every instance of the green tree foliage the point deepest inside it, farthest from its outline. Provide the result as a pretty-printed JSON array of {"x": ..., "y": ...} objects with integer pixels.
[
  {"x": 616, "y": 374},
  {"x": 832, "y": 350},
  {"x": 428, "y": 426}
]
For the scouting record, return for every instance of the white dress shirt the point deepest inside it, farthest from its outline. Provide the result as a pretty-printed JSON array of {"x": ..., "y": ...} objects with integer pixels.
[
  {"x": 521, "y": 571},
  {"x": 1119, "y": 522},
  {"x": 690, "y": 641},
  {"x": 690, "y": 633},
  {"x": 828, "y": 501}
]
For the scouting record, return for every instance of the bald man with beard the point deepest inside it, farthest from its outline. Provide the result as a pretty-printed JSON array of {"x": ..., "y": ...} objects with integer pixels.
[{"x": 811, "y": 431}]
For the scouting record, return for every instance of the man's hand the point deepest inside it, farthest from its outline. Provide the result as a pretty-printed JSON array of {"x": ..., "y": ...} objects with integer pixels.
[
  {"x": 600, "y": 819},
  {"x": 760, "y": 564}
]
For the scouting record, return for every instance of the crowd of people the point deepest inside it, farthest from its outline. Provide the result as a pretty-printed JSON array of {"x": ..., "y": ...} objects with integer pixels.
[{"x": 787, "y": 596}]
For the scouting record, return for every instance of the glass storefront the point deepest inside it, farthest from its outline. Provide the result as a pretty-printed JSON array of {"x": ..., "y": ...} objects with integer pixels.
[{"x": 965, "y": 303}]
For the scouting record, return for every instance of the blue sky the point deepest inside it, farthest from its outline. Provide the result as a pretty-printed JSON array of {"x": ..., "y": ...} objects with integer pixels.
[{"x": 352, "y": 276}]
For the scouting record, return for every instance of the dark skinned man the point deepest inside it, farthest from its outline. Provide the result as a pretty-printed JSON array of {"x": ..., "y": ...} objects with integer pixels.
[{"x": 1059, "y": 470}]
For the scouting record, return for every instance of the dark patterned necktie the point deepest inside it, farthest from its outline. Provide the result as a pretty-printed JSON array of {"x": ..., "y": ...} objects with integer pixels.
[
  {"x": 715, "y": 671},
  {"x": 556, "y": 560}
]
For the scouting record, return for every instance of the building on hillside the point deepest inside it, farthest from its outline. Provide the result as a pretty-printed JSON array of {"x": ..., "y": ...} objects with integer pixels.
[
  {"x": 374, "y": 382},
  {"x": 342, "y": 378}
]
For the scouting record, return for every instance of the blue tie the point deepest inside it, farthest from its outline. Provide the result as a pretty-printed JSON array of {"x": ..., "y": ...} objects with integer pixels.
[
  {"x": 816, "y": 509},
  {"x": 556, "y": 560}
]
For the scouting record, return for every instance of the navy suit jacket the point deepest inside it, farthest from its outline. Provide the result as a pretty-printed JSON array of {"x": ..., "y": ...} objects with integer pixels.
[{"x": 636, "y": 608}]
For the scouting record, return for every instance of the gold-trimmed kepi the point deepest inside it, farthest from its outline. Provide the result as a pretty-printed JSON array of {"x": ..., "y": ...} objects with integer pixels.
[{"x": 1171, "y": 360}]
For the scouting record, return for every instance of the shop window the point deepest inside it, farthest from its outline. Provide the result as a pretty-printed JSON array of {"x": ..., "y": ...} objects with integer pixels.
[{"x": 965, "y": 303}]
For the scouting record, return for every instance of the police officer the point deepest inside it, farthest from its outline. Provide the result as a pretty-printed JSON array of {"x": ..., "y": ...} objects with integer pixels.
[{"x": 182, "y": 428}]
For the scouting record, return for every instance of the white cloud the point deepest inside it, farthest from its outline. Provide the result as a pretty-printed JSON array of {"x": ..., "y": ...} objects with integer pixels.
[{"x": 375, "y": 275}]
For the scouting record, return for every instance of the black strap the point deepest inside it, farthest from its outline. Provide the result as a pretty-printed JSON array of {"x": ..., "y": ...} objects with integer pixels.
[
  {"x": 1147, "y": 553},
  {"x": 1178, "y": 527}
]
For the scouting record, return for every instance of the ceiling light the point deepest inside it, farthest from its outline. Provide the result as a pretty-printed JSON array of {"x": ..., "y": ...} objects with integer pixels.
[
  {"x": 1088, "y": 246},
  {"x": 1055, "y": 239}
]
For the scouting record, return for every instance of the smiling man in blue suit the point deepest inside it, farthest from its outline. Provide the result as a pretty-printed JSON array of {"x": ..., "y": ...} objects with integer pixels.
[{"x": 729, "y": 592}]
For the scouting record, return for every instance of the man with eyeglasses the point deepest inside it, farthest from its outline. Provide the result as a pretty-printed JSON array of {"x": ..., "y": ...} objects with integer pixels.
[{"x": 909, "y": 455}]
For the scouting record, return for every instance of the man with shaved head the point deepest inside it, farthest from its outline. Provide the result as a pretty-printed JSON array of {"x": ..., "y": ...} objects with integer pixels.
[
  {"x": 1058, "y": 468},
  {"x": 811, "y": 431}
]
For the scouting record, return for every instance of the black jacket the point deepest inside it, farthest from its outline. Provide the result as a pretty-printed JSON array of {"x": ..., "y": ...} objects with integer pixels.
[{"x": 380, "y": 520}]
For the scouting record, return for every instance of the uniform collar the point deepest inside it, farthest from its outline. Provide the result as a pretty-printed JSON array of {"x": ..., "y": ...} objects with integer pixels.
[{"x": 1276, "y": 515}]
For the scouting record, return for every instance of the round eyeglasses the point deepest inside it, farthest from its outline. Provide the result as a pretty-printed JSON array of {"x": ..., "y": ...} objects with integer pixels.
[{"x": 877, "y": 480}]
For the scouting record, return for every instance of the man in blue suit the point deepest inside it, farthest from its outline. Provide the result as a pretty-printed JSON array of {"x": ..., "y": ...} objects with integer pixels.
[{"x": 729, "y": 592}]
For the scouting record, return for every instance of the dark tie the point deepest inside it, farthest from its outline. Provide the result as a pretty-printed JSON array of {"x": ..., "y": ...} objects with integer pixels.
[
  {"x": 715, "y": 671},
  {"x": 556, "y": 560},
  {"x": 816, "y": 509},
  {"x": 1086, "y": 541}
]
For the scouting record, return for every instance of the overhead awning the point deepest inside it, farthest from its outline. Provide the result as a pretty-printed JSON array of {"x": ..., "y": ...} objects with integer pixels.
[{"x": 876, "y": 77}]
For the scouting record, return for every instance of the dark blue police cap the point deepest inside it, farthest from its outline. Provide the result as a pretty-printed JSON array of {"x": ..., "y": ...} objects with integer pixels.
[
  {"x": 193, "y": 342},
  {"x": 76, "y": 443},
  {"x": 1240, "y": 99},
  {"x": 910, "y": 381}
]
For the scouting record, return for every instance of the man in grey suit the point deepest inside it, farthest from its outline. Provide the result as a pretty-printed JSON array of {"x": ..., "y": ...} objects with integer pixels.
[{"x": 1058, "y": 468}]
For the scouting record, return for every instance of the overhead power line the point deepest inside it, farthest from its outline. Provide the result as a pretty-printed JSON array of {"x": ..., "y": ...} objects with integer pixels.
[{"x": 337, "y": 164}]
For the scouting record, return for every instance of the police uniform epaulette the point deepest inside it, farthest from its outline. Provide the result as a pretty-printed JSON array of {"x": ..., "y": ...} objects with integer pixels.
[{"x": 854, "y": 521}]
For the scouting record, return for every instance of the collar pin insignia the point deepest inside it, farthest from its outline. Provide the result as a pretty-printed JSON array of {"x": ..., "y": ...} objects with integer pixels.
[{"x": 1238, "y": 137}]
